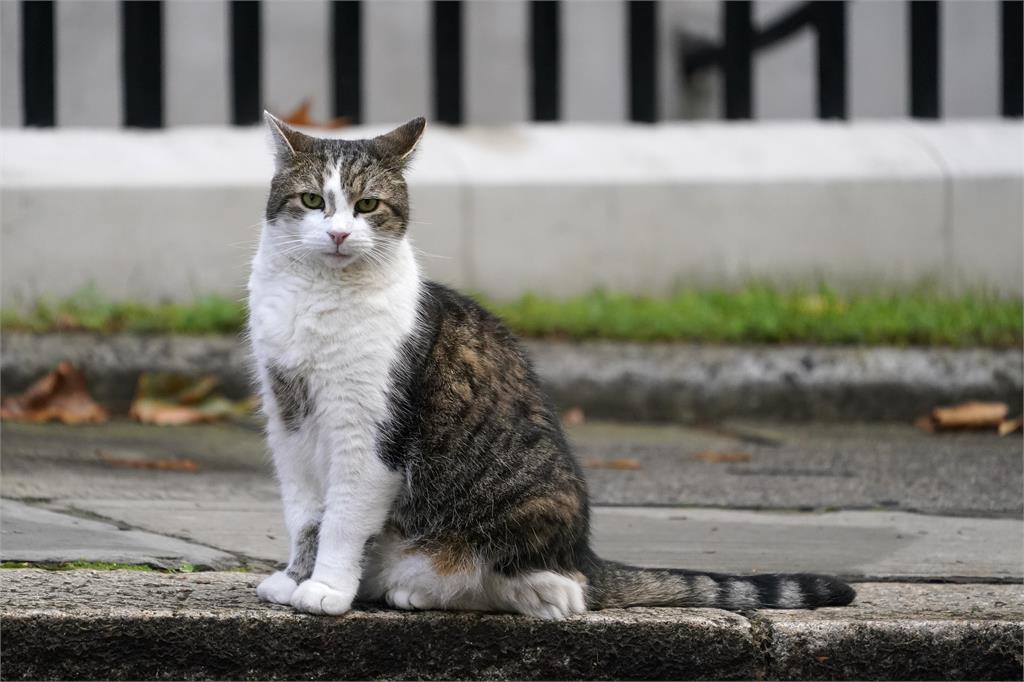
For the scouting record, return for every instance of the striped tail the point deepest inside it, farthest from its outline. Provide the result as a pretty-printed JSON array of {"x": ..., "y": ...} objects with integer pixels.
[{"x": 612, "y": 584}]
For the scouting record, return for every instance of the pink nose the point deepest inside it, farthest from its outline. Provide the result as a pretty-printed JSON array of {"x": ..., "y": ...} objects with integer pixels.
[{"x": 338, "y": 237}]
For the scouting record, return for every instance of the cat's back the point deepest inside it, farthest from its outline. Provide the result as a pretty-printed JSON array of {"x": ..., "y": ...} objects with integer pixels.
[
  {"x": 467, "y": 383},
  {"x": 471, "y": 345}
]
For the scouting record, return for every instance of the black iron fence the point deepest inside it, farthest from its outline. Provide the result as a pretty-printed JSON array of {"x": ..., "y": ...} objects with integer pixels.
[{"x": 142, "y": 59}]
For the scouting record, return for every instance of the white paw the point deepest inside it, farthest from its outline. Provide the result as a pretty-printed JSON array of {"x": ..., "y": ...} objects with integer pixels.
[
  {"x": 277, "y": 588},
  {"x": 546, "y": 595},
  {"x": 410, "y": 600},
  {"x": 313, "y": 596}
]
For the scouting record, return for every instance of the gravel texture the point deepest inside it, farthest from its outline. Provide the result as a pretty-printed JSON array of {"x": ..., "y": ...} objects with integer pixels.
[{"x": 128, "y": 625}]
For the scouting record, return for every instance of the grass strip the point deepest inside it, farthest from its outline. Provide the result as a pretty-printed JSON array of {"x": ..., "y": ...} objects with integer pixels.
[
  {"x": 108, "y": 566},
  {"x": 757, "y": 313}
]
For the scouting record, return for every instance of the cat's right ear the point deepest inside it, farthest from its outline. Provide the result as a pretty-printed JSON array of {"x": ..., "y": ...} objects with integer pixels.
[{"x": 287, "y": 141}]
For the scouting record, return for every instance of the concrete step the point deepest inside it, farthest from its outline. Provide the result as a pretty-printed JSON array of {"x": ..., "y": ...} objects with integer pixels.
[
  {"x": 137, "y": 625},
  {"x": 678, "y": 382}
]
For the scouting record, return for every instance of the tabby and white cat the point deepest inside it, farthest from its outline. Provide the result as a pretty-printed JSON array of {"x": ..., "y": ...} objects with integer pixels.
[{"x": 418, "y": 460}]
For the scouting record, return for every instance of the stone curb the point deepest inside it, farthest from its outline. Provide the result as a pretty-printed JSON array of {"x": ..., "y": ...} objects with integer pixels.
[
  {"x": 624, "y": 381},
  {"x": 130, "y": 625}
]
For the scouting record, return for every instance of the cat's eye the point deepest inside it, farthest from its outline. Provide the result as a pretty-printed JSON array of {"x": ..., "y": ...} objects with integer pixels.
[
  {"x": 367, "y": 205},
  {"x": 310, "y": 200}
]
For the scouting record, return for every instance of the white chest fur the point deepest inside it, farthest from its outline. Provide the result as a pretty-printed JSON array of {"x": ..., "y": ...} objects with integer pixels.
[{"x": 341, "y": 332}]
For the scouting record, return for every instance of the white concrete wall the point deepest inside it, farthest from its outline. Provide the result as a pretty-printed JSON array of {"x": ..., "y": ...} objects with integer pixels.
[
  {"x": 397, "y": 54},
  {"x": 554, "y": 209}
]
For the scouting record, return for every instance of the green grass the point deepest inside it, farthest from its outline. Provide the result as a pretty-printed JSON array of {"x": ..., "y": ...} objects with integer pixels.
[
  {"x": 754, "y": 314},
  {"x": 89, "y": 311},
  {"x": 75, "y": 565},
  {"x": 108, "y": 566}
]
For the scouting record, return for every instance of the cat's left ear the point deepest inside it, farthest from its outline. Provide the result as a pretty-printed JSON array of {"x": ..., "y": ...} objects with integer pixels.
[
  {"x": 401, "y": 142},
  {"x": 287, "y": 141}
]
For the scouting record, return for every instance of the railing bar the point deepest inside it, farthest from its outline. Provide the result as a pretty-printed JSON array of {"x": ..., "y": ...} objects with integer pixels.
[
  {"x": 789, "y": 23},
  {"x": 737, "y": 58},
  {"x": 246, "y": 62},
  {"x": 448, "y": 70},
  {"x": 38, "y": 77},
  {"x": 1012, "y": 28},
  {"x": 643, "y": 50},
  {"x": 831, "y": 24},
  {"x": 925, "y": 86},
  {"x": 786, "y": 25},
  {"x": 545, "y": 59},
  {"x": 142, "y": 61},
  {"x": 347, "y": 54}
]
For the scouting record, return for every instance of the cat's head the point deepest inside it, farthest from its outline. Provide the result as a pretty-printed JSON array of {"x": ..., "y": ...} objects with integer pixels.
[{"x": 337, "y": 202}]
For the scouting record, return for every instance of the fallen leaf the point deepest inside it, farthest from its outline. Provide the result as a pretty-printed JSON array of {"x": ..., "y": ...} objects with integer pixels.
[
  {"x": 161, "y": 464},
  {"x": 1009, "y": 426},
  {"x": 714, "y": 456},
  {"x": 168, "y": 399},
  {"x": 623, "y": 464},
  {"x": 573, "y": 416},
  {"x": 300, "y": 117},
  {"x": 61, "y": 395},
  {"x": 925, "y": 423},
  {"x": 970, "y": 415}
]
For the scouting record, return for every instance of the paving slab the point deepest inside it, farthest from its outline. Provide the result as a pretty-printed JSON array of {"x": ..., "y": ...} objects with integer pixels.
[
  {"x": 848, "y": 466},
  {"x": 858, "y": 545},
  {"x": 232, "y": 503},
  {"x": 129, "y": 625},
  {"x": 40, "y": 536},
  {"x": 812, "y": 466}
]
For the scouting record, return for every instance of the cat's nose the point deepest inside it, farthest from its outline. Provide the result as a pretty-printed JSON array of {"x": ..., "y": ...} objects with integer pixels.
[{"x": 338, "y": 237}]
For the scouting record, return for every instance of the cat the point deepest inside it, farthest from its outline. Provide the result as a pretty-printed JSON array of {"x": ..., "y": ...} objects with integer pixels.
[{"x": 418, "y": 460}]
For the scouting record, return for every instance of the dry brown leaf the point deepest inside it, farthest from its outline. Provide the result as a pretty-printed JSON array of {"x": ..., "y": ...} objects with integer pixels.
[
  {"x": 168, "y": 399},
  {"x": 970, "y": 415},
  {"x": 715, "y": 456},
  {"x": 925, "y": 423},
  {"x": 574, "y": 416},
  {"x": 61, "y": 395},
  {"x": 622, "y": 464},
  {"x": 300, "y": 117},
  {"x": 161, "y": 464},
  {"x": 1009, "y": 426}
]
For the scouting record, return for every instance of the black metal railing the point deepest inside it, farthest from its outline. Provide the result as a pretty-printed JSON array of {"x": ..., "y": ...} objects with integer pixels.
[
  {"x": 143, "y": 83},
  {"x": 827, "y": 18}
]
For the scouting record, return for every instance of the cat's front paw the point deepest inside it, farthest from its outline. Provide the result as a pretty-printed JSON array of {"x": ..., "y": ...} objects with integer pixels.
[
  {"x": 277, "y": 588},
  {"x": 313, "y": 596}
]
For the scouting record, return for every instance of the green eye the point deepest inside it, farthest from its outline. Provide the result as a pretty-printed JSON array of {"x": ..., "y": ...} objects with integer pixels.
[
  {"x": 310, "y": 200},
  {"x": 366, "y": 205}
]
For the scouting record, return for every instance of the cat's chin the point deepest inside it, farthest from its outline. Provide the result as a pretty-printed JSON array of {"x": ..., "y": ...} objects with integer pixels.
[{"x": 338, "y": 260}]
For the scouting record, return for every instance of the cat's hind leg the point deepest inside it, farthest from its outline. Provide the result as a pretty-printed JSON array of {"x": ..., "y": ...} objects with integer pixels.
[
  {"x": 541, "y": 594},
  {"x": 442, "y": 577}
]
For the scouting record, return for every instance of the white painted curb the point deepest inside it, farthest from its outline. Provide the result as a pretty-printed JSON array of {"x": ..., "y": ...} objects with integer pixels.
[{"x": 556, "y": 209}]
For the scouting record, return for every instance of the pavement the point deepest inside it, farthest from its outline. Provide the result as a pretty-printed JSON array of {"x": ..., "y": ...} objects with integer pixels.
[{"x": 929, "y": 526}]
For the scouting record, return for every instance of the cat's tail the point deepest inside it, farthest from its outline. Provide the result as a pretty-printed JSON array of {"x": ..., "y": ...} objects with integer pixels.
[{"x": 612, "y": 584}]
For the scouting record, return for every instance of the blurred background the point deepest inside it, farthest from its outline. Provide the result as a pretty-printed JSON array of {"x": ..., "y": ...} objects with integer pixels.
[
  {"x": 154, "y": 64},
  {"x": 645, "y": 146}
]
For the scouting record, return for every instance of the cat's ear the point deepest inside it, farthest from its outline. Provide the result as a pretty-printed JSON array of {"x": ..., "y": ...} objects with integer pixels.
[
  {"x": 401, "y": 142},
  {"x": 287, "y": 141}
]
